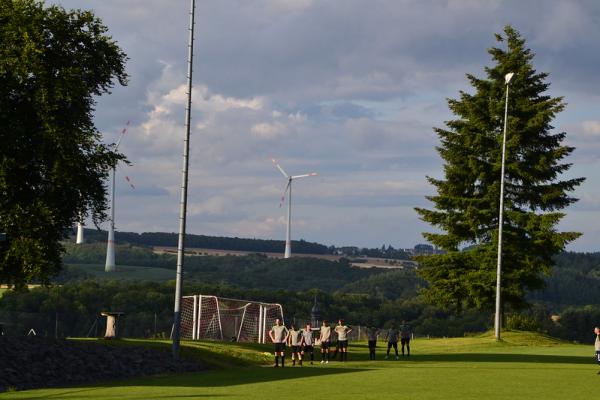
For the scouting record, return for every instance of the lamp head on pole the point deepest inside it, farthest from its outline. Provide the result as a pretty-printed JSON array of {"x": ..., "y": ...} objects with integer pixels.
[{"x": 508, "y": 77}]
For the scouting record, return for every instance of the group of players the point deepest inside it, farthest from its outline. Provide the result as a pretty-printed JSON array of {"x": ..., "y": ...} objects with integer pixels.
[{"x": 303, "y": 341}]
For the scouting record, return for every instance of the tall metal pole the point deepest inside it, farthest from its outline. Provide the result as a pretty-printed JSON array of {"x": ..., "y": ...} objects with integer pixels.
[
  {"x": 184, "y": 183},
  {"x": 498, "y": 316}
]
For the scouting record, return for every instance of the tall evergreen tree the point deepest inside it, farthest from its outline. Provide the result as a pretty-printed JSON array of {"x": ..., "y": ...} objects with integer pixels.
[{"x": 466, "y": 206}]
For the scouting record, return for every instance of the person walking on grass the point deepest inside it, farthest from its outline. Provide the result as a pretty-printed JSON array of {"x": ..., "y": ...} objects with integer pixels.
[
  {"x": 307, "y": 344},
  {"x": 405, "y": 336},
  {"x": 392, "y": 340},
  {"x": 342, "y": 332},
  {"x": 325, "y": 339},
  {"x": 372, "y": 334},
  {"x": 279, "y": 335},
  {"x": 294, "y": 340},
  {"x": 597, "y": 345}
]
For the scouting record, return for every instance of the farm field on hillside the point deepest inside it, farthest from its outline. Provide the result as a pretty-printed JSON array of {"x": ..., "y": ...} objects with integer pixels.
[{"x": 524, "y": 366}]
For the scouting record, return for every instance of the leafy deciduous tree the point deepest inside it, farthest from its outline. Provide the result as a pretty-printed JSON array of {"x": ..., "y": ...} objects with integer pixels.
[{"x": 52, "y": 163}]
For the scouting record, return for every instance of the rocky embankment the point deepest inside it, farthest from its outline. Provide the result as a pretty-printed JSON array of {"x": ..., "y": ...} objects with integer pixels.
[{"x": 35, "y": 362}]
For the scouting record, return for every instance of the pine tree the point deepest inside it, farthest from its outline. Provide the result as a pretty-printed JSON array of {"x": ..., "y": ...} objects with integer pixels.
[{"x": 466, "y": 205}]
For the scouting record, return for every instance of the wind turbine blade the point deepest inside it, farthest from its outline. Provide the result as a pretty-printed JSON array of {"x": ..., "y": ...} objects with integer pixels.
[
  {"x": 279, "y": 168},
  {"x": 129, "y": 181},
  {"x": 123, "y": 132},
  {"x": 305, "y": 175},
  {"x": 287, "y": 187}
]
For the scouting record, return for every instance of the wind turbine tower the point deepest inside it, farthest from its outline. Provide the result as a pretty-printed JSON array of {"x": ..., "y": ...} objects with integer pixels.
[
  {"x": 288, "y": 187},
  {"x": 79, "y": 232},
  {"x": 110, "y": 245}
]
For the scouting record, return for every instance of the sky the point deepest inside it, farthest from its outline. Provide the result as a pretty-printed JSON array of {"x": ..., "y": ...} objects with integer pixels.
[{"x": 346, "y": 88}]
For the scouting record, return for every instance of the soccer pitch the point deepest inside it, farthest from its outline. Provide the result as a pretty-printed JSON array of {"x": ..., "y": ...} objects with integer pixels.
[{"x": 525, "y": 366}]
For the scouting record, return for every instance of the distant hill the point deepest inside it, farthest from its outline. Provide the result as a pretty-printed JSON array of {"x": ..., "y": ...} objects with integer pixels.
[
  {"x": 209, "y": 242},
  {"x": 250, "y": 245}
]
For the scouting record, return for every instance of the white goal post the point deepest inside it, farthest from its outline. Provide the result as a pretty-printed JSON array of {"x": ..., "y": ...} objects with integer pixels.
[{"x": 220, "y": 318}]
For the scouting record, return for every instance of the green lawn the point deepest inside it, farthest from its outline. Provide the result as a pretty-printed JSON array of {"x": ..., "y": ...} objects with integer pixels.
[{"x": 524, "y": 366}]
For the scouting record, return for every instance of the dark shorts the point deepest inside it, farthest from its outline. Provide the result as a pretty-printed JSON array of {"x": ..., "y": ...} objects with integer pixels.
[
  {"x": 279, "y": 347},
  {"x": 295, "y": 349},
  {"x": 405, "y": 341},
  {"x": 308, "y": 348},
  {"x": 325, "y": 344},
  {"x": 343, "y": 344},
  {"x": 372, "y": 344},
  {"x": 393, "y": 344}
]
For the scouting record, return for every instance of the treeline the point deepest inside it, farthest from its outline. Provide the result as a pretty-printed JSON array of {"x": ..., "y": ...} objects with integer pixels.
[
  {"x": 244, "y": 244},
  {"x": 252, "y": 271},
  {"x": 75, "y": 308},
  {"x": 208, "y": 242}
]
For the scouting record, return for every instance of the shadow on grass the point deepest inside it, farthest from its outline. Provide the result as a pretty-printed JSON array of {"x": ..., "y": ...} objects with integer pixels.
[{"x": 206, "y": 379}]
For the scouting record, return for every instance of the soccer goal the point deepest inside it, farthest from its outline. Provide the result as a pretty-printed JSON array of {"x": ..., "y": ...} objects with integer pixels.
[{"x": 219, "y": 318}]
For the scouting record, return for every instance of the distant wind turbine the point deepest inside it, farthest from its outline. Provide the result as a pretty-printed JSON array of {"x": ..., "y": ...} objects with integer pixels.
[
  {"x": 110, "y": 245},
  {"x": 288, "y": 187}
]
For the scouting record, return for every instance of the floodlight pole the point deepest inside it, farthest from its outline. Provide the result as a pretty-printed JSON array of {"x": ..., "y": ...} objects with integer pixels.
[
  {"x": 498, "y": 316},
  {"x": 184, "y": 183}
]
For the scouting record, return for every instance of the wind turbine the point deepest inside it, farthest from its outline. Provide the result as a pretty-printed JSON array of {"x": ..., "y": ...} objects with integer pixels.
[
  {"x": 288, "y": 187},
  {"x": 80, "y": 231},
  {"x": 110, "y": 245}
]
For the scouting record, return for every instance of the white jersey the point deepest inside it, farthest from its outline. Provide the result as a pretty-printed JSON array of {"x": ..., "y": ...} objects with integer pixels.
[
  {"x": 295, "y": 337},
  {"x": 279, "y": 333},
  {"x": 325, "y": 333},
  {"x": 307, "y": 335},
  {"x": 597, "y": 343},
  {"x": 342, "y": 332}
]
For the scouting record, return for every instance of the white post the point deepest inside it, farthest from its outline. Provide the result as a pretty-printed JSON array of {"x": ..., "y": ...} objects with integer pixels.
[
  {"x": 198, "y": 330},
  {"x": 219, "y": 318},
  {"x": 498, "y": 316},
  {"x": 242, "y": 323},
  {"x": 195, "y": 318},
  {"x": 110, "y": 244},
  {"x": 260, "y": 331},
  {"x": 264, "y": 328},
  {"x": 288, "y": 240}
]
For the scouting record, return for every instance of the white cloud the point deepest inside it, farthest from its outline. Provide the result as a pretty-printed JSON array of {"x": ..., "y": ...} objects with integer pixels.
[
  {"x": 348, "y": 90},
  {"x": 591, "y": 128}
]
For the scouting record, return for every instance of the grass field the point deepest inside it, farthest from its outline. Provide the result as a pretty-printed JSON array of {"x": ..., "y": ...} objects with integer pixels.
[{"x": 523, "y": 366}]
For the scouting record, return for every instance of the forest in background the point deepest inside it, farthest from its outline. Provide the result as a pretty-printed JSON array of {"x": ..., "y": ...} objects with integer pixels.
[{"x": 381, "y": 296}]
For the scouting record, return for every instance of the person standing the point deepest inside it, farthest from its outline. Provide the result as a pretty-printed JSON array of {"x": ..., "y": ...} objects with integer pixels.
[
  {"x": 597, "y": 345},
  {"x": 405, "y": 336},
  {"x": 307, "y": 344},
  {"x": 372, "y": 334},
  {"x": 342, "y": 332},
  {"x": 325, "y": 339},
  {"x": 392, "y": 340},
  {"x": 294, "y": 340},
  {"x": 279, "y": 335}
]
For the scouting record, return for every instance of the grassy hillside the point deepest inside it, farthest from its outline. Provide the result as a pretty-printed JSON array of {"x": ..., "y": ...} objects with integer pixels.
[{"x": 523, "y": 366}]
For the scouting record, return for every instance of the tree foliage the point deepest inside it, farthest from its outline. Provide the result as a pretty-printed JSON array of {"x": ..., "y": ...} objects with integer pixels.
[
  {"x": 53, "y": 63},
  {"x": 466, "y": 205}
]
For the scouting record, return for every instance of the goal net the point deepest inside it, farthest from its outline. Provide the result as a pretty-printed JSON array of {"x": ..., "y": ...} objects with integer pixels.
[{"x": 219, "y": 318}]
